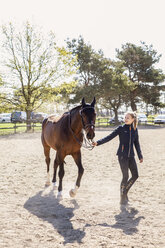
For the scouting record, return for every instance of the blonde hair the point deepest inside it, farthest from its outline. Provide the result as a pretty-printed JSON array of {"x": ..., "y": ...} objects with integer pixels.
[{"x": 134, "y": 116}]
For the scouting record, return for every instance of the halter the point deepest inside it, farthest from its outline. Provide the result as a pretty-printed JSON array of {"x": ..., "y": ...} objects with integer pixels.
[
  {"x": 87, "y": 144},
  {"x": 83, "y": 123}
]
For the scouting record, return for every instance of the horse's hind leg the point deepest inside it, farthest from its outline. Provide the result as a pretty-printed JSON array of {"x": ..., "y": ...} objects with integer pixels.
[
  {"x": 47, "y": 160},
  {"x": 56, "y": 163},
  {"x": 77, "y": 159}
]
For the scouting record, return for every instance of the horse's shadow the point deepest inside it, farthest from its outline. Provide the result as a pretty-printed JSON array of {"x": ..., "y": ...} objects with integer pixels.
[
  {"x": 126, "y": 220},
  {"x": 48, "y": 208}
]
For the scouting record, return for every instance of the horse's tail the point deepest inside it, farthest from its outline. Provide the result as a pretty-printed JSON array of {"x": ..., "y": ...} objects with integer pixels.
[
  {"x": 44, "y": 122},
  {"x": 42, "y": 133}
]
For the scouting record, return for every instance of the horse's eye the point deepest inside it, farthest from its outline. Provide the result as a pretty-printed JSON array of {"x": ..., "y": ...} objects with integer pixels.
[{"x": 83, "y": 115}]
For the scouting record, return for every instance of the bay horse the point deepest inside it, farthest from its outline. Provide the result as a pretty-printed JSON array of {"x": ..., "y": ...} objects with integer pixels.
[{"x": 66, "y": 136}]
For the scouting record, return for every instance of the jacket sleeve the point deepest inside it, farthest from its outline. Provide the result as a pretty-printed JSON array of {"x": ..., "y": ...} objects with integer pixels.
[
  {"x": 109, "y": 137},
  {"x": 137, "y": 145}
]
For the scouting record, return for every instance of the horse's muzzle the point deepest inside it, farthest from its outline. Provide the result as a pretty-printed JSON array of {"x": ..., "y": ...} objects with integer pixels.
[{"x": 90, "y": 134}]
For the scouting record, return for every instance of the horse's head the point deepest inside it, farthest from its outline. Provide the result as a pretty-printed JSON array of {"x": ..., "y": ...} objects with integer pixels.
[{"x": 88, "y": 117}]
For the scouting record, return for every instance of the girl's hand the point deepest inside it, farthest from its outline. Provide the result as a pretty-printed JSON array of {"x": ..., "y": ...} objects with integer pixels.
[
  {"x": 94, "y": 143},
  {"x": 141, "y": 160}
]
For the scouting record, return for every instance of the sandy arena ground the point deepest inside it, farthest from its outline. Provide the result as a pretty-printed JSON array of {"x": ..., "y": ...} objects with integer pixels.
[{"x": 31, "y": 216}]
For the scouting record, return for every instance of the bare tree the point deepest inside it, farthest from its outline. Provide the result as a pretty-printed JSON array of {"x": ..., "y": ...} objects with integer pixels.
[{"x": 35, "y": 67}]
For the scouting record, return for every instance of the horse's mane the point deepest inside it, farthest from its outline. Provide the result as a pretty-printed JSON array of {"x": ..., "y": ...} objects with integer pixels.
[{"x": 73, "y": 110}]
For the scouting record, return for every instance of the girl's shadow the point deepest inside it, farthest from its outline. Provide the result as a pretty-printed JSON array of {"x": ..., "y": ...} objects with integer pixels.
[
  {"x": 48, "y": 208},
  {"x": 126, "y": 220}
]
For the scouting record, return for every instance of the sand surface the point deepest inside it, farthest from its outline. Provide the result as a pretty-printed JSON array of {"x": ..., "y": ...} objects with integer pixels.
[{"x": 32, "y": 216}]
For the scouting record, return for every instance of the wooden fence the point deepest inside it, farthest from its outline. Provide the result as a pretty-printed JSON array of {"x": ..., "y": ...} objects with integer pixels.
[
  {"x": 105, "y": 122},
  {"x": 8, "y": 128}
]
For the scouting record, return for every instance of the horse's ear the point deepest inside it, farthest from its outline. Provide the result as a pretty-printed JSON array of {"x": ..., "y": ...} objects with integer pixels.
[
  {"x": 93, "y": 103},
  {"x": 83, "y": 102}
]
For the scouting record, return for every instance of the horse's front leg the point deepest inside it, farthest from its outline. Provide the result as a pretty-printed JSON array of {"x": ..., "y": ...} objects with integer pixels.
[
  {"x": 77, "y": 158},
  {"x": 61, "y": 175},
  {"x": 59, "y": 161}
]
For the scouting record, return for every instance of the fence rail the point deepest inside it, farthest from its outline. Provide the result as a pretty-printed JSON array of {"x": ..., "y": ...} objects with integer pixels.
[
  {"x": 105, "y": 122},
  {"x": 8, "y": 128}
]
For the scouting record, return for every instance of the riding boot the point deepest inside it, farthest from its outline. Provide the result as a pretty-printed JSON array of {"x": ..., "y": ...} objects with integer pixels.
[
  {"x": 123, "y": 195},
  {"x": 128, "y": 186},
  {"x": 127, "y": 200}
]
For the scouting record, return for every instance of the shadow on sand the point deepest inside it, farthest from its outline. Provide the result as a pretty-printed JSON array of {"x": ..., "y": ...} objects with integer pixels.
[
  {"x": 126, "y": 220},
  {"x": 48, "y": 208}
]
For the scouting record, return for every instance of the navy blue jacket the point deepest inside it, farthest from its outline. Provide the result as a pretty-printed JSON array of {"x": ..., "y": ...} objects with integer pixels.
[{"x": 128, "y": 137}]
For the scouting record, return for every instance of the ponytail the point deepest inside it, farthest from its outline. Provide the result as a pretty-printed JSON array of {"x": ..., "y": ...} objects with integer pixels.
[{"x": 135, "y": 123}]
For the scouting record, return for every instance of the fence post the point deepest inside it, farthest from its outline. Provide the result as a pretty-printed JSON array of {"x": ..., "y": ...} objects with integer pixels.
[
  {"x": 107, "y": 122},
  {"x": 15, "y": 127},
  {"x": 33, "y": 125},
  {"x": 153, "y": 119}
]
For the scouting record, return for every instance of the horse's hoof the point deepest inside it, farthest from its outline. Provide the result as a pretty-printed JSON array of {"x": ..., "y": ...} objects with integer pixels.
[
  {"x": 55, "y": 185},
  {"x": 72, "y": 193},
  {"x": 47, "y": 184},
  {"x": 59, "y": 195}
]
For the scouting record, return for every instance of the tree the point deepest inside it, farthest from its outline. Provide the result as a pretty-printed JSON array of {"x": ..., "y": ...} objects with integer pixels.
[
  {"x": 84, "y": 53},
  {"x": 2, "y": 96},
  {"x": 99, "y": 76},
  {"x": 114, "y": 88},
  {"x": 91, "y": 65},
  {"x": 36, "y": 65},
  {"x": 139, "y": 64}
]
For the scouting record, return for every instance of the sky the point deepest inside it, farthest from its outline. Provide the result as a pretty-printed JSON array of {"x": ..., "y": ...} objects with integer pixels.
[{"x": 105, "y": 24}]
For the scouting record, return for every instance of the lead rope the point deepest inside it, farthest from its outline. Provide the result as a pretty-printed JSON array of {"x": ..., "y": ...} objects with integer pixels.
[{"x": 87, "y": 144}]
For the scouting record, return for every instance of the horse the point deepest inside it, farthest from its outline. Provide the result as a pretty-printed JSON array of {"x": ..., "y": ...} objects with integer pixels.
[{"x": 65, "y": 135}]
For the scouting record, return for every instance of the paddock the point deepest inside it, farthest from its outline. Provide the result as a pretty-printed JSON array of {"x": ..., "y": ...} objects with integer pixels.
[{"x": 32, "y": 216}]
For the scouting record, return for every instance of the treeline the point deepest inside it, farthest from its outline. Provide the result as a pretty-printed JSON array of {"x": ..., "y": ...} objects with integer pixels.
[
  {"x": 36, "y": 71},
  {"x": 130, "y": 79}
]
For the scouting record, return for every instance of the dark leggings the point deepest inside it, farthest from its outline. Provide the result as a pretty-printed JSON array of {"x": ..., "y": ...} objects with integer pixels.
[{"x": 125, "y": 164}]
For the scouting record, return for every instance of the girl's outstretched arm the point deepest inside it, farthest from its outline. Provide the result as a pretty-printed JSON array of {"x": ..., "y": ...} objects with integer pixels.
[{"x": 108, "y": 138}]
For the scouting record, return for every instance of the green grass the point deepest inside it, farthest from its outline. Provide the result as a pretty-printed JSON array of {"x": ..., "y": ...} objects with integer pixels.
[
  {"x": 9, "y": 128},
  {"x": 150, "y": 119},
  {"x": 102, "y": 122}
]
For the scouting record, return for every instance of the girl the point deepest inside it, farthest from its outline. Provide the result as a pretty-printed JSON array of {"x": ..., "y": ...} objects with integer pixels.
[{"x": 128, "y": 136}]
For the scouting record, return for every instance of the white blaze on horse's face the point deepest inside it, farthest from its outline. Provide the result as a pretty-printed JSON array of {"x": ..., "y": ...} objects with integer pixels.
[
  {"x": 88, "y": 120},
  {"x": 88, "y": 117},
  {"x": 90, "y": 133}
]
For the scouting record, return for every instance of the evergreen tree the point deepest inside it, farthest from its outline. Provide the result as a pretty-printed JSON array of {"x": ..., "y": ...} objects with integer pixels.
[{"x": 139, "y": 62}]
